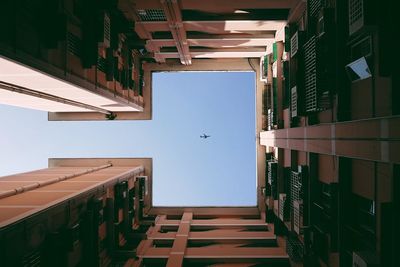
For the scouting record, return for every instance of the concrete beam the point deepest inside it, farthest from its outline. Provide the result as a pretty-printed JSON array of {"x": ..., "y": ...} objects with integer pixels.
[
  {"x": 223, "y": 64},
  {"x": 220, "y": 6},
  {"x": 244, "y": 35},
  {"x": 220, "y": 222},
  {"x": 220, "y": 235},
  {"x": 224, "y": 252},
  {"x": 369, "y": 139},
  {"x": 155, "y": 44},
  {"x": 205, "y": 54},
  {"x": 217, "y": 211},
  {"x": 215, "y": 27},
  {"x": 225, "y": 49}
]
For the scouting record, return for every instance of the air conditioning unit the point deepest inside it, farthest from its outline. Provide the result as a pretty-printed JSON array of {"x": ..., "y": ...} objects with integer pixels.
[
  {"x": 298, "y": 216},
  {"x": 283, "y": 208},
  {"x": 365, "y": 259},
  {"x": 293, "y": 102}
]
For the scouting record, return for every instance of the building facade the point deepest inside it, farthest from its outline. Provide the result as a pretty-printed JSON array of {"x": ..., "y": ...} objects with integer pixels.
[
  {"x": 331, "y": 129},
  {"x": 328, "y": 129},
  {"x": 98, "y": 212},
  {"x": 77, "y": 212}
]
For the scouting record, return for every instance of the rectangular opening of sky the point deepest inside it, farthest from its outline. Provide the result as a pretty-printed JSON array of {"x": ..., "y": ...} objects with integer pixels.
[{"x": 190, "y": 170}]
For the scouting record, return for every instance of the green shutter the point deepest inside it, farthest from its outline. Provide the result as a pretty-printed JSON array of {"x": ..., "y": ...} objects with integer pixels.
[
  {"x": 275, "y": 90},
  {"x": 266, "y": 65},
  {"x": 275, "y": 51}
]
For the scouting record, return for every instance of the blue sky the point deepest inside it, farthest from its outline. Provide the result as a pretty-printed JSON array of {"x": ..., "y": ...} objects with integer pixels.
[{"x": 188, "y": 171}]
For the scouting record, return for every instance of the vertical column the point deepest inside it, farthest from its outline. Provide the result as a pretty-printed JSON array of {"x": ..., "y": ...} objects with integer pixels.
[{"x": 178, "y": 249}]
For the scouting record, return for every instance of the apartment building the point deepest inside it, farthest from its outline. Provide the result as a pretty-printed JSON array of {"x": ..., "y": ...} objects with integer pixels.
[
  {"x": 99, "y": 212},
  {"x": 77, "y": 212},
  {"x": 327, "y": 120},
  {"x": 331, "y": 131}
]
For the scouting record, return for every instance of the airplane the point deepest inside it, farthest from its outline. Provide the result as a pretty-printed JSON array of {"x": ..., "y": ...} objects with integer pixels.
[{"x": 205, "y": 136}]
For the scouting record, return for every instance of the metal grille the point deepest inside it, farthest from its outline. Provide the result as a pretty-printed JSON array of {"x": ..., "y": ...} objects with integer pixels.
[
  {"x": 271, "y": 171},
  {"x": 271, "y": 119},
  {"x": 265, "y": 66},
  {"x": 298, "y": 216},
  {"x": 152, "y": 15},
  {"x": 294, "y": 248},
  {"x": 266, "y": 100},
  {"x": 324, "y": 99},
  {"x": 310, "y": 62},
  {"x": 355, "y": 10},
  {"x": 295, "y": 188},
  {"x": 356, "y": 15},
  {"x": 282, "y": 199},
  {"x": 363, "y": 48},
  {"x": 32, "y": 259},
  {"x": 107, "y": 30},
  {"x": 283, "y": 207},
  {"x": 101, "y": 64},
  {"x": 272, "y": 177},
  {"x": 142, "y": 187},
  {"x": 315, "y": 7},
  {"x": 294, "y": 44},
  {"x": 73, "y": 44},
  {"x": 293, "y": 102}
]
